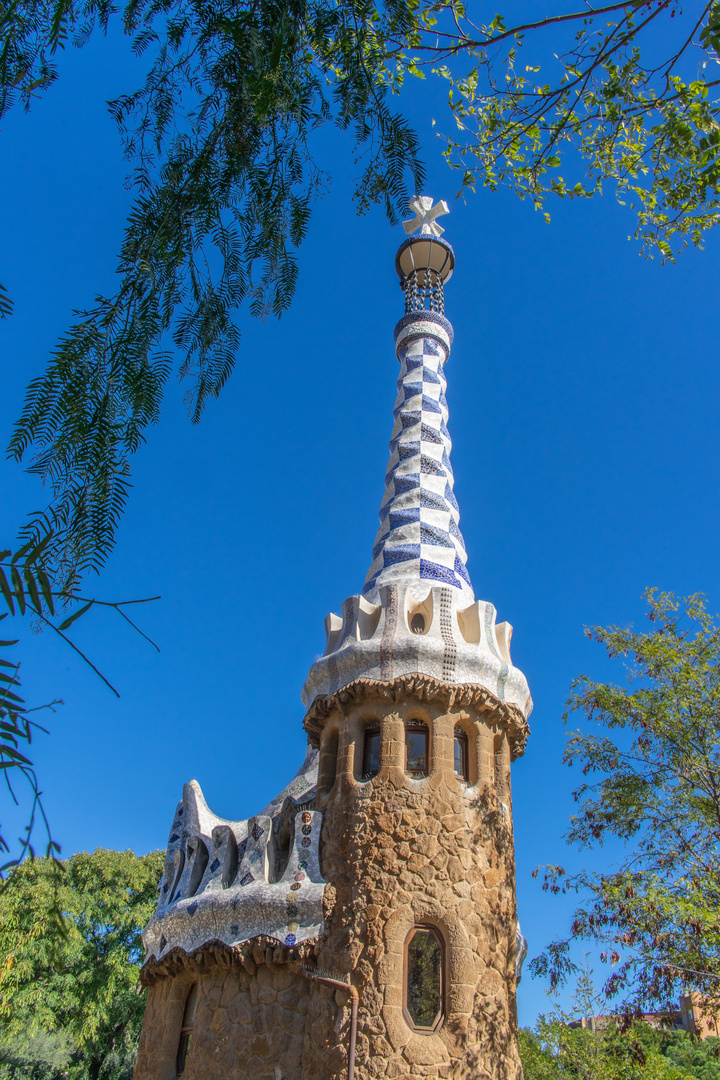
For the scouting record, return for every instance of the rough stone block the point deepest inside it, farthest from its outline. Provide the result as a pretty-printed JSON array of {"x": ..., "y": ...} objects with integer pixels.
[
  {"x": 220, "y": 1021},
  {"x": 425, "y": 1050},
  {"x": 239, "y": 1012},
  {"x": 288, "y": 998}
]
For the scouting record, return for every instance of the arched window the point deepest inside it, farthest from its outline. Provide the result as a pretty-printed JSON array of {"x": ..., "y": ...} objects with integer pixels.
[
  {"x": 424, "y": 978},
  {"x": 417, "y": 738},
  {"x": 460, "y": 751},
  {"x": 371, "y": 753},
  {"x": 186, "y": 1030}
]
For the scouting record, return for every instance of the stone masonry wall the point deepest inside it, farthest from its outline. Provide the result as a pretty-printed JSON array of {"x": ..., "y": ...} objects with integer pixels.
[
  {"x": 250, "y": 1019},
  {"x": 401, "y": 852},
  {"x": 397, "y": 852}
]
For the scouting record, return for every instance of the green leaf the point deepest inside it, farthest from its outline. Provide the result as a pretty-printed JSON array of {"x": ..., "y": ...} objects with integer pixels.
[
  {"x": 23, "y": 551},
  {"x": 18, "y": 588},
  {"x": 76, "y": 615},
  {"x": 5, "y": 590},
  {"x": 46, "y": 589},
  {"x": 10, "y": 696},
  {"x": 6, "y": 304},
  {"x": 37, "y": 551},
  {"x": 18, "y": 759},
  {"x": 32, "y": 588}
]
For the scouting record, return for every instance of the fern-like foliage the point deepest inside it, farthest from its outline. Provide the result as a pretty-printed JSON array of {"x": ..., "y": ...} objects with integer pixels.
[
  {"x": 23, "y": 585},
  {"x": 219, "y": 137},
  {"x": 6, "y": 304},
  {"x": 26, "y": 592},
  {"x": 17, "y": 728}
]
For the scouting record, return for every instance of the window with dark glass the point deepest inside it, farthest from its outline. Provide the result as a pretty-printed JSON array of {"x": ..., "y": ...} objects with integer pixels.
[
  {"x": 424, "y": 978},
  {"x": 371, "y": 753},
  {"x": 417, "y": 738},
  {"x": 460, "y": 750},
  {"x": 186, "y": 1030}
]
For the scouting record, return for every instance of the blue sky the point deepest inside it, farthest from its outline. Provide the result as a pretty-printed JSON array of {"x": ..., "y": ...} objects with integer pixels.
[{"x": 583, "y": 389}]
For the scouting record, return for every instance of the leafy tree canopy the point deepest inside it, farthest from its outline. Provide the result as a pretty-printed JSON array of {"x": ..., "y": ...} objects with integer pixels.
[
  {"x": 620, "y": 94},
  {"x": 81, "y": 983},
  {"x": 219, "y": 139},
  {"x": 553, "y": 1050},
  {"x": 650, "y": 759},
  {"x": 35, "y": 1057},
  {"x": 700, "y": 1060},
  {"x": 585, "y": 1042},
  {"x": 581, "y": 1042}
]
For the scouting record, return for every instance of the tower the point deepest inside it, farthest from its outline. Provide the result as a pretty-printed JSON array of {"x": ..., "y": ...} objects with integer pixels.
[{"x": 364, "y": 922}]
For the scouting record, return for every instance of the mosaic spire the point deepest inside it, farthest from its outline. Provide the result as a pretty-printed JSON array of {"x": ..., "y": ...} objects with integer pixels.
[
  {"x": 417, "y": 616},
  {"x": 419, "y": 539}
]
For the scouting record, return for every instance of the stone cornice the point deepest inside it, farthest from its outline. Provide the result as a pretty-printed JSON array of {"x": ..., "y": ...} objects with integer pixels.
[
  {"x": 423, "y": 688},
  {"x": 250, "y": 955}
]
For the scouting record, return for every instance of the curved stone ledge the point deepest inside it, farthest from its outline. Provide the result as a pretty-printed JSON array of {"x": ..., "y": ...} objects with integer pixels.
[
  {"x": 250, "y": 955},
  {"x": 458, "y": 646},
  {"x": 423, "y": 688}
]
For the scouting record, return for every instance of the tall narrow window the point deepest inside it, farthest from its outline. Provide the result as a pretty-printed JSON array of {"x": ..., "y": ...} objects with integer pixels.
[
  {"x": 371, "y": 753},
  {"x": 186, "y": 1030},
  {"x": 424, "y": 978},
  {"x": 417, "y": 738},
  {"x": 460, "y": 750}
]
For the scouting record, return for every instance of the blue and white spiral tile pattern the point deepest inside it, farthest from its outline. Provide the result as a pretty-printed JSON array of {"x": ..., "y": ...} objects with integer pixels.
[
  {"x": 418, "y": 560},
  {"x": 419, "y": 539}
]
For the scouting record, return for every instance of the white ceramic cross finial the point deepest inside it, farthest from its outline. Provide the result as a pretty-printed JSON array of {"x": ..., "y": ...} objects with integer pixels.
[{"x": 425, "y": 214}]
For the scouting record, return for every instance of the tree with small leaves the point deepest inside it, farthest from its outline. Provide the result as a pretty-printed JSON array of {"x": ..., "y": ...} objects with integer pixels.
[
  {"x": 82, "y": 982},
  {"x": 622, "y": 96},
  {"x": 581, "y": 1041},
  {"x": 649, "y": 754},
  {"x": 219, "y": 137}
]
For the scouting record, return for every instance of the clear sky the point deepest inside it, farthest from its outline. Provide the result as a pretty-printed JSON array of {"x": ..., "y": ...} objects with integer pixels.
[{"x": 583, "y": 396}]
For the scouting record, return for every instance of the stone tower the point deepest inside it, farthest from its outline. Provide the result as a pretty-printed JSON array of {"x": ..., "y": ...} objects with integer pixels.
[{"x": 364, "y": 923}]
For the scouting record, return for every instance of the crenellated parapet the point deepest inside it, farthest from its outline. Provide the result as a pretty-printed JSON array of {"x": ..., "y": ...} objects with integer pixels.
[
  {"x": 231, "y": 881},
  {"x": 413, "y": 631}
]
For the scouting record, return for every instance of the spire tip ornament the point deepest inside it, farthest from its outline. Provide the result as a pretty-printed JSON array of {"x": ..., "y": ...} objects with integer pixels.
[
  {"x": 424, "y": 261},
  {"x": 425, "y": 216}
]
